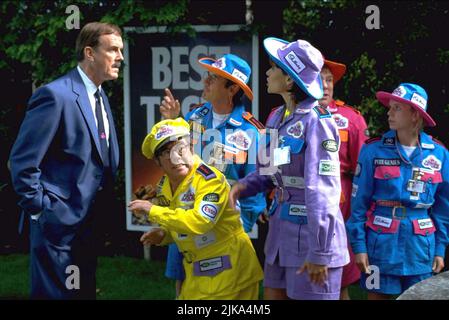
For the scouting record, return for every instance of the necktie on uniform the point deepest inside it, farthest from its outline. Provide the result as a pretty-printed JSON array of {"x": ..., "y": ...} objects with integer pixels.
[{"x": 101, "y": 131}]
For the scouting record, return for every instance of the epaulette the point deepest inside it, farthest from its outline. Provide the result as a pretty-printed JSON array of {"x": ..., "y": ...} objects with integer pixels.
[
  {"x": 195, "y": 106},
  {"x": 439, "y": 142},
  {"x": 371, "y": 140},
  {"x": 160, "y": 184},
  {"x": 250, "y": 118},
  {"x": 206, "y": 172},
  {"x": 341, "y": 103},
  {"x": 322, "y": 112}
]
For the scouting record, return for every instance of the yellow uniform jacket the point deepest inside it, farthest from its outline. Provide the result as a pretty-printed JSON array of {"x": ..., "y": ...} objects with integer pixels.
[{"x": 219, "y": 258}]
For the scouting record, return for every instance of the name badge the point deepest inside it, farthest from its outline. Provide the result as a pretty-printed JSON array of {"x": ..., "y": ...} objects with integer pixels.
[
  {"x": 204, "y": 240},
  {"x": 382, "y": 221},
  {"x": 282, "y": 156},
  {"x": 298, "y": 210},
  {"x": 416, "y": 186}
]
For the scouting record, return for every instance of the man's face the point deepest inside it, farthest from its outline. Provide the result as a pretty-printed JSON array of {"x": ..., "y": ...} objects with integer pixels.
[
  {"x": 328, "y": 87},
  {"x": 176, "y": 159},
  {"x": 215, "y": 89},
  {"x": 107, "y": 58}
]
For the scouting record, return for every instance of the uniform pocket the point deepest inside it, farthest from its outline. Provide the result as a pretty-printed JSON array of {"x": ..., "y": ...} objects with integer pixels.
[
  {"x": 295, "y": 144},
  {"x": 432, "y": 180},
  {"x": 423, "y": 242},
  {"x": 387, "y": 172},
  {"x": 296, "y": 213},
  {"x": 382, "y": 237}
]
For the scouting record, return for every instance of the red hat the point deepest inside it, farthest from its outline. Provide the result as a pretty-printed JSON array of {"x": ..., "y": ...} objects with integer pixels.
[{"x": 337, "y": 69}]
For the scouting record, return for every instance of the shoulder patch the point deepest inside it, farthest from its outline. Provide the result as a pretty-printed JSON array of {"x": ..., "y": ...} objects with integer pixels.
[
  {"x": 256, "y": 123},
  {"x": 195, "y": 106},
  {"x": 322, "y": 112},
  {"x": 339, "y": 103},
  {"x": 206, "y": 172},
  {"x": 371, "y": 140},
  {"x": 439, "y": 142}
]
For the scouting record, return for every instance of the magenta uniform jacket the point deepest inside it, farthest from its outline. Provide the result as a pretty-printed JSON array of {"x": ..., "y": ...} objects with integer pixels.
[{"x": 306, "y": 223}]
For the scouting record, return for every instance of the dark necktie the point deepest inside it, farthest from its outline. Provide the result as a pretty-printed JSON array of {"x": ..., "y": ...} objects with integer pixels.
[{"x": 101, "y": 130}]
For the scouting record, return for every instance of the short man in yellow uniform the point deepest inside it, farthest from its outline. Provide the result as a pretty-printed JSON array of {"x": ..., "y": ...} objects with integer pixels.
[{"x": 193, "y": 210}]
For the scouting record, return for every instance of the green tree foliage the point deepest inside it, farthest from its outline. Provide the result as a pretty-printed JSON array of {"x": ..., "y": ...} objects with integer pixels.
[
  {"x": 35, "y": 35},
  {"x": 35, "y": 32},
  {"x": 407, "y": 48}
]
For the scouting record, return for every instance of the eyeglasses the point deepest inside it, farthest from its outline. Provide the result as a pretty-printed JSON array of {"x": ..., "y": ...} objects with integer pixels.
[
  {"x": 179, "y": 147},
  {"x": 211, "y": 77}
]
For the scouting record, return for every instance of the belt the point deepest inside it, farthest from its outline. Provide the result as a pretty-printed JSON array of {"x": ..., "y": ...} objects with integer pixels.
[
  {"x": 398, "y": 210},
  {"x": 191, "y": 256},
  {"x": 290, "y": 182}
]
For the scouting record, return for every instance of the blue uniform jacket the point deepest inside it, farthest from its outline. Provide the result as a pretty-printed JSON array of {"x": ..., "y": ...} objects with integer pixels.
[
  {"x": 400, "y": 205},
  {"x": 241, "y": 140}
]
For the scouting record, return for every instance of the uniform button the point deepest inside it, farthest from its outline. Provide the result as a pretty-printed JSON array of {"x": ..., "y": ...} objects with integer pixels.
[
  {"x": 386, "y": 175},
  {"x": 379, "y": 230}
]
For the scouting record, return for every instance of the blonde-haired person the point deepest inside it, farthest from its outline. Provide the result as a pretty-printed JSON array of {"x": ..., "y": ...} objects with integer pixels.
[{"x": 400, "y": 198}]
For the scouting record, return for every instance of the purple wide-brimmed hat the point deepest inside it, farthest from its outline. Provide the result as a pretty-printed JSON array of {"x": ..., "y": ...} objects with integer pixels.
[{"x": 301, "y": 61}]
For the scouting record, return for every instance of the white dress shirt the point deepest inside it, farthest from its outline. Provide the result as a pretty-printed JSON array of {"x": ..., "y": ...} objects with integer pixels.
[{"x": 91, "y": 89}]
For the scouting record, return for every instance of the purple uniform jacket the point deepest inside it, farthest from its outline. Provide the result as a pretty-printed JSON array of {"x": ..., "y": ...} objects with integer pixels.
[{"x": 306, "y": 223}]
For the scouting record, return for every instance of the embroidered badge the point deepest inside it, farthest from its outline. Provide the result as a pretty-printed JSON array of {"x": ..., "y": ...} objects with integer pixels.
[
  {"x": 235, "y": 122},
  {"x": 330, "y": 145},
  {"x": 358, "y": 169},
  {"x": 239, "y": 75},
  {"x": 419, "y": 100},
  {"x": 432, "y": 162},
  {"x": 387, "y": 162},
  {"x": 239, "y": 139},
  {"x": 220, "y": 63},
  {"x": 388, "y": 142},
  {"x": 399, "y": 91},
  {"x": 208, "y": 210},
  {"x": 188, "y": 196},
  {"x": 163, "y": 132},
  {"x": 355, "y": 188},
  {"x": 211, "y": 197},
  {"x": 425, "y": 223},
  {"x": 322, "y": 112},
  {"x": 296, "y": 130},
  {"x": 382, "y": 221},
  {"x": 206, "y": 172},
  {"x": 342, "y": 122},
  {"x": 329, "y": 168}
]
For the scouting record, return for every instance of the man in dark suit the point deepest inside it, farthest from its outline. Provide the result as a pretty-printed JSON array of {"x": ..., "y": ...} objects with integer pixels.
[{"x": 63, "y": 164}]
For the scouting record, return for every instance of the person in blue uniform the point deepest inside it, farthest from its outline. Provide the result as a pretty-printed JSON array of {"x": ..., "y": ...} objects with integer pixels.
[
  {"x": 223, "y": 134},
  {"x": 400, "y": 199}
]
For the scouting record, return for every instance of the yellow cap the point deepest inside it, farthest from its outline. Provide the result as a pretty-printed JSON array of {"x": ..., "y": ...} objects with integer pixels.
[{"x": 162, "y": 132}]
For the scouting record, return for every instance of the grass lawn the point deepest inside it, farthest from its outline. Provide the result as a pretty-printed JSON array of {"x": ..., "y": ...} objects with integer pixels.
[{"x": 117, "y": 278}]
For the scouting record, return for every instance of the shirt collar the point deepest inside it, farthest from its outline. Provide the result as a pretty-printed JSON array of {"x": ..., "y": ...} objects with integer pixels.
[
  {"x": 306, "y": 105},
  {"x": 90, "y": 86}
]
